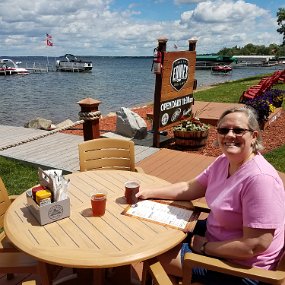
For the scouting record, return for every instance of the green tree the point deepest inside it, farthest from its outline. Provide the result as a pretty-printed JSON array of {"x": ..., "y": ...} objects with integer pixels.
[
  {"x": 250, "y": 49},
  {"x": 281, "y": 22}
]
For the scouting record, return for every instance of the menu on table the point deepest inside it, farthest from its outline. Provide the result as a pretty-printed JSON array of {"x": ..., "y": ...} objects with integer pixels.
[{"x": 164, "y": 213}]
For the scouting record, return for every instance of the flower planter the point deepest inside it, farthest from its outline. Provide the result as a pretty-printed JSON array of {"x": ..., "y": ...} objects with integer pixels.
[{"x": 193, "y": 139}]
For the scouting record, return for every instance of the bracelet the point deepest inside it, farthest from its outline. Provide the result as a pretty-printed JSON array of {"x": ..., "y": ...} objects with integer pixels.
[{"x": 202, "y": 249}]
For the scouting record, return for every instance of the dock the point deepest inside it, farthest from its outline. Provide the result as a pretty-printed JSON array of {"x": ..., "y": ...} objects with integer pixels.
[
  {"x": 38, "y": 68},
  {"x": 49, "y": 151}
]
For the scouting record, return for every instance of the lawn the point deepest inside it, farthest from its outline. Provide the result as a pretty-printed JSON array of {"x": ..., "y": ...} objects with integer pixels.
[{"x": 17, "y": 176}]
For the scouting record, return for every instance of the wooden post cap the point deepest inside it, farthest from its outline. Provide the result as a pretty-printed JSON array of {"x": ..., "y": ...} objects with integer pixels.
[
  {"x": 192, "y": 44},
  {"x": 89, "y": 102},
  {"x": 162, "y": 40},
  {"x": 90, "y": 114}
]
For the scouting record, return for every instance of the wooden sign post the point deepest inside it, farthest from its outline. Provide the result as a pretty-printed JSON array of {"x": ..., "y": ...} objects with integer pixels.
[{"x": 173, "y": 95}]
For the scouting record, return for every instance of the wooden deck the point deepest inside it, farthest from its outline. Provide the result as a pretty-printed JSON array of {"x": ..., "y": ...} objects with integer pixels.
[
  {"x": 175, "y": 166},
  {"x": 51, "y": 151}
]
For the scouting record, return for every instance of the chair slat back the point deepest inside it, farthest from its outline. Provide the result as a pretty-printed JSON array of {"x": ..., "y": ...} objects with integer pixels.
[
  {"x": 107, "y": 153},
  {"x": 4, "y": 202}
]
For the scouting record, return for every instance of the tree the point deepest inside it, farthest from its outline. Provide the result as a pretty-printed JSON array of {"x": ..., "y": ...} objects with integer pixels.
[{"x": 281, "y": 22}]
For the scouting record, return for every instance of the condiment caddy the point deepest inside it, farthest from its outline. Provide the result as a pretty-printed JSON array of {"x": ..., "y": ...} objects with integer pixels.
[{"x": 49, "y": 201}]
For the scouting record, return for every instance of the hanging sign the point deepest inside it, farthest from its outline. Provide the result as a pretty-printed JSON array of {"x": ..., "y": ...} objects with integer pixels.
[{"x": 177, "y": 86}]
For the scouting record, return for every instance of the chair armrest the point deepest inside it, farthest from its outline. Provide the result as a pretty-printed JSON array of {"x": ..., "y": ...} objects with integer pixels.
[
  {"x": 268, "y": 276},
  {"x": 139, "y": 169},
  {"x": 30, "y": 282},
  {"x": 13, "y": 197},
  {"x": 203, "y": 207}
]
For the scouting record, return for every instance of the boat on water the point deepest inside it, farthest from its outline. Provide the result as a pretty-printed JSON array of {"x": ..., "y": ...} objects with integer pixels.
[
  {"x": 71, "y": 63},
  {"x": 9, "y": 67},
  {"x": 221, "y": 69}
]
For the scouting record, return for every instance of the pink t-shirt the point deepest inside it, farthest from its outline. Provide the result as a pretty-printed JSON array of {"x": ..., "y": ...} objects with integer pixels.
[{"x": 252, "y": 197}]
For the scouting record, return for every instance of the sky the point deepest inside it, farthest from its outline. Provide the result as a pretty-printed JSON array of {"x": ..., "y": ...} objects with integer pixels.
[{"x": 131, "y": 28}]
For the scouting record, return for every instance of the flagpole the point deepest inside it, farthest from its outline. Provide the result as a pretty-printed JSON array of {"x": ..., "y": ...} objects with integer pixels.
[
  {"x": 47, "y": 63},
  {"x": 49, "y": 43}
]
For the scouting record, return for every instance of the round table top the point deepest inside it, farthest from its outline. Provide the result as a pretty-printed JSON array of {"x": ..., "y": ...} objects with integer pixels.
[{"x": 84, "y": 241}]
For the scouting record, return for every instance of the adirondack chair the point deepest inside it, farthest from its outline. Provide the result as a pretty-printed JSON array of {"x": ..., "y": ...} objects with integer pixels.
[
  {"x": 282, "y": 76},
  {"x": 107, "y": 153},
  {"x": 257, "y": 90}
]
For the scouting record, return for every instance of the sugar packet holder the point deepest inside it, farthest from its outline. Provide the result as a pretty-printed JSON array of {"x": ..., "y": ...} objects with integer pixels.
[{"x": 54, "y": 181}]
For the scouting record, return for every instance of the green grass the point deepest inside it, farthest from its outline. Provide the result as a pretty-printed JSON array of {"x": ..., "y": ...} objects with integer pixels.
[
  {"x": 228, "y": 92},
  {"x": 277, "y": 158},
  {"x": 19, "y": 176}
]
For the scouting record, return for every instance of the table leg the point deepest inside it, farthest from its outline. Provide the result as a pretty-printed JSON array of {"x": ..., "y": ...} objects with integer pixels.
[
  {"x": 98, "y": 276},
  {"x": 121, "y": 275},
  {"x": 45, "y": 274}
]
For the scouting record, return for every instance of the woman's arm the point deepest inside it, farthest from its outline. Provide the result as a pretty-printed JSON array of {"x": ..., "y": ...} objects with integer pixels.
[
  {"x": 179, "y": 191},
  {"x": 253, "y": 242}
]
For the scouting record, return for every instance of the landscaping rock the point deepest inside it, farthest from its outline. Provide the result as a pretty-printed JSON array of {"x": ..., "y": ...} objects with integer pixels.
[
  {"x": 130, "y": 124},
  {"x": 64, "y": 124},
  {"x": 39, "y": 123}
]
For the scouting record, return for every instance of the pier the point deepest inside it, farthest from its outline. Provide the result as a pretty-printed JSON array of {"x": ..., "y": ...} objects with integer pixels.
[{"x": 39, "y": 68}]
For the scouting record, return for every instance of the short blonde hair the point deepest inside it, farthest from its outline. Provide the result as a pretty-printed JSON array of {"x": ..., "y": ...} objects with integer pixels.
[{"x": 252, "y": 124}]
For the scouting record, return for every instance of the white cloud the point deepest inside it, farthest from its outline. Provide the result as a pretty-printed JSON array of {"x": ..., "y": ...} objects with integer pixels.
[
  {"x": 228, "y": 23},
  {"x": 91, "y": 27},
  {"x": 226, "y": 11}
]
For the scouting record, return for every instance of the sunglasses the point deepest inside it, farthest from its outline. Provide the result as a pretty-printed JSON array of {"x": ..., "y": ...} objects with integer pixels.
[{"x": 236, "y": 131}]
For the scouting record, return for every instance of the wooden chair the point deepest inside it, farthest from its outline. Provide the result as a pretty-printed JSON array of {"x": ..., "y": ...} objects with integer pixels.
[
  {"x": 30, "y": 282},
  {"x": 107, "y": 153},
  {"x": 12, "y": 260},
  {"x": 153, "y": 269},
  {"x": 5, "y": 201}
]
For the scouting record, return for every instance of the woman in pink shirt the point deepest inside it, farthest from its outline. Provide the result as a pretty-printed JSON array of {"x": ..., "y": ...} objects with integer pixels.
[{"x": 247, "y": 201}]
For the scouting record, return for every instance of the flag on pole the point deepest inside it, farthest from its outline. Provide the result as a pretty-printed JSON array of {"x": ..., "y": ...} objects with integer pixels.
[{"x": 49, "y": 40}]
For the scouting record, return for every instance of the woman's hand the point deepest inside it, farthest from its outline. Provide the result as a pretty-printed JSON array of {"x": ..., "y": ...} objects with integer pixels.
[
  {"x": 144, "y": 193},
  {"x": 197, "y": 243}
]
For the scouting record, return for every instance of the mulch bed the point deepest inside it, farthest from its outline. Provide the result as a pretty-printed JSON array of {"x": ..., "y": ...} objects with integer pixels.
[{"x": 273, "y": 136}]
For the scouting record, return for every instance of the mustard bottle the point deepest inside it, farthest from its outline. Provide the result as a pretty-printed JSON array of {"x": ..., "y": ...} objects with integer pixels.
[{"x": 43, "y": 197}]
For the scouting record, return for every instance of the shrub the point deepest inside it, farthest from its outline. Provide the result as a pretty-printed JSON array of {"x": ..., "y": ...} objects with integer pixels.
[{"x": 266, "y": 103}]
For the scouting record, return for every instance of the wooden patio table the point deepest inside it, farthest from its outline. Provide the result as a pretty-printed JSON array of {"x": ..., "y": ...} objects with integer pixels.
[{"x": 84, "y": 241}]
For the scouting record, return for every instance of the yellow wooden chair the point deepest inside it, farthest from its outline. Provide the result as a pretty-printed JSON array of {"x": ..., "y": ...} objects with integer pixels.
[
  {"x": 12, "y": 260},
  {"x": 5, "y": 201},
  {"x": 30, "y": 282},
  {"x": 153, "y": 270},
  {"x": 107, "y": 153}
]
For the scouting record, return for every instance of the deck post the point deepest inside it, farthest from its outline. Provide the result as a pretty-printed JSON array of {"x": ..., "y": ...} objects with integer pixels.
[
  {"x": 91, "y": 115},
  {"x": 192, "y": 44}
]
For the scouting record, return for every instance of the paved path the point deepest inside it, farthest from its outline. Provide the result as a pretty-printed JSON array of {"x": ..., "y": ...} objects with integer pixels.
[{"x": 51, "y": 151}]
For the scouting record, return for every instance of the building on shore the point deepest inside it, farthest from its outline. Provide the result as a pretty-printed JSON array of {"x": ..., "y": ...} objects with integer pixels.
[
  {"x": 255, "y": 60},
  {"x": 208, "y": 61}
]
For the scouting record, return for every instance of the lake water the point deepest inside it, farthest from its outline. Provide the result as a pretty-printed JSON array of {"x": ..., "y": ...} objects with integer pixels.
[{"x": 115, "y": 81}]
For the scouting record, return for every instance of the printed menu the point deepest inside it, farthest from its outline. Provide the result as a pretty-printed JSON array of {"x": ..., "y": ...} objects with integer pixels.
[{"x": 164, "y": 213}]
